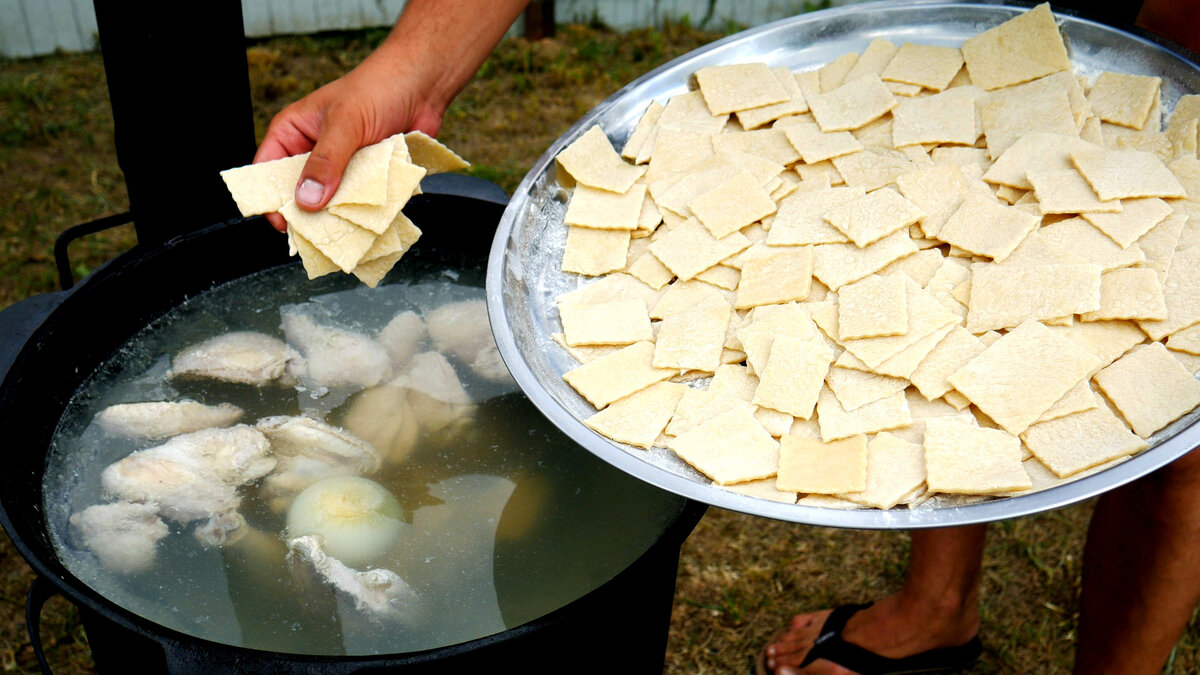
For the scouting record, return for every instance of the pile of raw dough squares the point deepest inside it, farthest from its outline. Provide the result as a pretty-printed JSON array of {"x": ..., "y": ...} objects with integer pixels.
[
  {"x": 919, "y": 272},
  {"x": 361, "y": 231}
]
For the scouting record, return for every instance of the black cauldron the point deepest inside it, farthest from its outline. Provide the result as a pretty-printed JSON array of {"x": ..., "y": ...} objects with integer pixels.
[{"x": 50, "y": 344}]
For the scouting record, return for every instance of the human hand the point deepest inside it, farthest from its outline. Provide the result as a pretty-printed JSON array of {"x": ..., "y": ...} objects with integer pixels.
[{"x": 370, "y": 103}]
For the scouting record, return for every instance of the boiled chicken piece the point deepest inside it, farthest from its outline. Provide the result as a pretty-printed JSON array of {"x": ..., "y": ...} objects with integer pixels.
[
  {"x": 463, "y": 329},
  {"x": 192, "y": 476},
  {"x": 122, "y": 535},
  {"x": 245, "y": 357},
  {"x": 333, "y": 356},
  {"x": 156, "y": 420},
  {"x": 383, "y": 417},
  {"x": 379, "y": 593},
  {"x": 308, "y": 450},
  {"x": 401, "y": 337},
  {"x": 436, "y": 395},
  {"x": 221, "y": 529}
]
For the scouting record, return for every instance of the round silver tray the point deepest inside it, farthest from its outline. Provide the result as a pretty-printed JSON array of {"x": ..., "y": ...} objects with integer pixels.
[{"x": 524, "y": 273}]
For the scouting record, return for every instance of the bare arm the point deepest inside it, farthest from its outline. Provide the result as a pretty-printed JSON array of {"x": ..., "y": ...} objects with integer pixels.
[{"x": 405, "y": 84}]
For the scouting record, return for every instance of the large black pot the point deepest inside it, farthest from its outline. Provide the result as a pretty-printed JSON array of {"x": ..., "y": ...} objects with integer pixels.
[{"x": 63, "y": 337}]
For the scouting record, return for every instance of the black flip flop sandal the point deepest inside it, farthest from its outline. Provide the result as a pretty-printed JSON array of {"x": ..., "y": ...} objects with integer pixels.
[{"x": 831, "y": 647}]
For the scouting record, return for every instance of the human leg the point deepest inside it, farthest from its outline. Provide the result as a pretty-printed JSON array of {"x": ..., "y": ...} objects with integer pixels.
[
  {"x": 1141, "y": 571},
  {"x": 936, "y": 607}
]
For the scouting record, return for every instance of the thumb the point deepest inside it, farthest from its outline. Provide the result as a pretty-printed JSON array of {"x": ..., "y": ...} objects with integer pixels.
[{"x": 322, "y": 173}]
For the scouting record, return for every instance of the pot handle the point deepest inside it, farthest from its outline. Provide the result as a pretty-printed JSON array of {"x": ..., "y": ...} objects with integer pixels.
[{"x": 40, "y": 591}]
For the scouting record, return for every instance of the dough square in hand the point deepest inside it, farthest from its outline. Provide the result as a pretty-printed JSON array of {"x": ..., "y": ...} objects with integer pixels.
[
  {"x": 606, "y": 210},
  {"x": 690, "y": 248},
  {"x": 340, "y": 240},
  {"x": 1022, "y": 374},
  {"x": 617, "y": 375},
  {"x": 873, "y": 306},
  {"x": 783, "y": 275},
  {"x": 730, "y": 448},
  {"x": 853, "y": 104},
  {"x": 929, "y": 66},
  {"x": 1125, "y": 174},
  {"x": 606, "y": 323},
  {"x": 434, "y": 157},
  {"x": 266, "y": 186},
  {"x": 967, "y": 459},
  {"x": 793, "y": 376},
  {"x": 1073, "y": 443},
  {"x": 732, "y": 205},
  {"x": 639, "y": 418},
  {"x": 365, "y": 180},
  {"x": 1123, "y": 99},
  {"x": 988, "y": 228},
  {"x": 873, "y": 216},
  {"x": 1149, "y": 387},
  {"x": 403, "y": 180},
  {"x": 592, "y": 252},
  {"x": 808, "y": 465},
  {"x": 591, "y": 161},
  {"x": 1065, "y": 191},
  {"x": 1023, "y": 48},
  {"x": 895, "y": 468},
  {"x": 740, "y": 86}
]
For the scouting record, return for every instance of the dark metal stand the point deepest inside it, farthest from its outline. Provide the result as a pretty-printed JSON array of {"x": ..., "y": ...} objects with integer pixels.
[{"x": 180, "y": 91}]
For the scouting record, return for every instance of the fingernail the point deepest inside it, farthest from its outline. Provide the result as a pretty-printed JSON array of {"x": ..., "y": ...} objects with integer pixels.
[{"x": 310, "y": 192}]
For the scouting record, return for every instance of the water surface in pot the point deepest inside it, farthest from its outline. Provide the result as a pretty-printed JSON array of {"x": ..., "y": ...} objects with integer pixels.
[{"x": 503, "y": 520}]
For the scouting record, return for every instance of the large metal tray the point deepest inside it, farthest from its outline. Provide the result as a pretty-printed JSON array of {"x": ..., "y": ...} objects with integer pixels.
[{"x": 524, "y": 276}]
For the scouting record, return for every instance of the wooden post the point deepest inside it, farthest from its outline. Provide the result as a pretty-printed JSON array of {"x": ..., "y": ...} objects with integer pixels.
[{"x": 539, "y": 19}]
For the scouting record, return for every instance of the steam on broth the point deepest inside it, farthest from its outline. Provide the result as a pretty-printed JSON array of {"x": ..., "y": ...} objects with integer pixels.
[{"x": 354, "y": 473}]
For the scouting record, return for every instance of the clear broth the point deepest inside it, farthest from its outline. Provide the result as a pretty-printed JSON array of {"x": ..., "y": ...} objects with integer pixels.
[{"x": 509, "y": 519}]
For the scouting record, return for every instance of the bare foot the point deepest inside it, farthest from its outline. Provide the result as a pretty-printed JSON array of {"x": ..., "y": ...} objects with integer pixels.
[{"x": 893, "y": 627}]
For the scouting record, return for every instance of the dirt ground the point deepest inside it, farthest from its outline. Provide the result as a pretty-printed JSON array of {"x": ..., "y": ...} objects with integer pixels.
[{"x": 740, "y": 577}]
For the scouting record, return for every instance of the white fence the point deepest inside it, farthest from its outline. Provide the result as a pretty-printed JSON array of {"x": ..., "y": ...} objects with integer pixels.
[{"x": 35, "y": 27}]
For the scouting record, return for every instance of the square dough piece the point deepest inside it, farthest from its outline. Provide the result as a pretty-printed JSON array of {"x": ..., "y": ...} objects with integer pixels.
[
  {"x": 639, "y": 418},
  {"x": 783, "y": 275},
  {"x": 642, "y": 132},
  {"x": 1180, "y": 290},
  {"x": 592, "y": 252},
  {"x": 793, "y": 376},
  {"x": 693, "y": 339},
  {"x": 815, "y": 145},
  {"x": 800, "y": 218},
  {"x": 937, "y": 190},
  {"x": 689, "y": 248},
  {"x": 338, "y": 239},
  {"x": 966, "y": 459},
  {"x": 617, "y": 375},
  {"x": 732, "y": 205},
  {"x": 1126, "y": 174},
  {"x": 741, "y": 86},
  {"x": 1023, "y": 48},
  {"x": 836, "y": 422},
  {"x": 1123, "y": 99},
  {"x": 1065, "y": 191},
  {"x": 953, "y": 352},
  {"x": 1037, "y": 150},
  {"x": 856, "y": 388},
  {"x": 808, "y": 465},
  {"x": 929, "y": 66},
  {"x": 873, "y": 216},
  {"x": 606, "y": 210},
  {"x": 942, "y": 118},
  {"x": 836, "y": 265},
  {"x": 895, "y": 468},
  {"x": 853, "y": 104},
  {"x": 1009, "y": 114},
  {"x": 621, "y": 322},
  {"x": 1150, "y": 388},
  {"x": 986, "y": 227},
  {"x": 1137, "y": 217},
  {"x": 730, "y": 448},
  {"x": 874, "y": 306},
  {"x": 1129, "y": 293},
  {"x": 754, "y": 118},
  {"x": 591, "y": 161},
  {"x": 1074, "y": 443},
  {"x": 1003, "y": 296},
  {"x": 1022, "y": 374}
]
